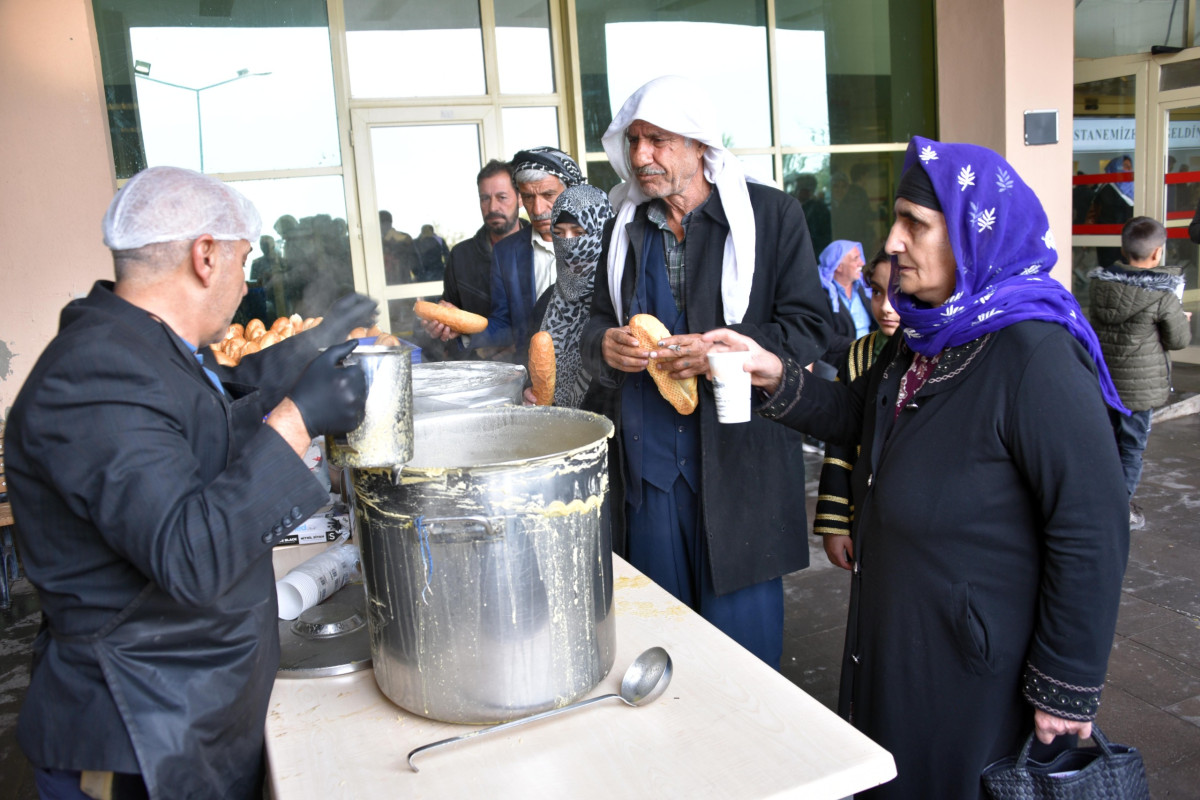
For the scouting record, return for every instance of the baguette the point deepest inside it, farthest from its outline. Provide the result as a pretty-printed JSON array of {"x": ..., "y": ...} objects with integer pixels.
[
  {"x": 455, "y": 319},
  {"x": 542, "y": 367},
  {"x": 680, "y": 394}
]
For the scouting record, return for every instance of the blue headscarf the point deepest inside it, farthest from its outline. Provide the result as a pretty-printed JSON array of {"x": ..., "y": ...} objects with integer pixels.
[
  {"x": 831, "y": 256},
  {"x": 1003, "y": 248},
  {"x": 1124, "y": 188}
]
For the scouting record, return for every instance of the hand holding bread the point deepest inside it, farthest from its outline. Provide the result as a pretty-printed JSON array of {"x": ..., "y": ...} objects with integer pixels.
[
  {"x": 453, "y": 318},
  {"x": 542, "y": 368},
  {"x": 680, "y": 393}
]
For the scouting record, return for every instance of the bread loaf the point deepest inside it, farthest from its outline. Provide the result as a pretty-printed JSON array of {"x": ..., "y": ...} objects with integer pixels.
[
  {"x": 680, "y": 394},
  {"x": 542, "y": 367},
  {"x": 455, "y": 319}
]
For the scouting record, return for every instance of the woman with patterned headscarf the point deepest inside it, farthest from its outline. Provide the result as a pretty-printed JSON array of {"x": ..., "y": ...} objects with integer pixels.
[
  {"x": 990, "y": 525},
  {"x": 577, "y": 221}
]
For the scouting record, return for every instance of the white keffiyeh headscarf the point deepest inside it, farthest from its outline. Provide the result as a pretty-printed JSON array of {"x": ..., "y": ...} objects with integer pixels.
[{"x": 680, "y": 106}]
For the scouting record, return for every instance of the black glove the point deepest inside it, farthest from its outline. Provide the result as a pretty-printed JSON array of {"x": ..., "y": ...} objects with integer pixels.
[
  {"x": 331, "y": 398},
  {"x": 346, "y": 314}
]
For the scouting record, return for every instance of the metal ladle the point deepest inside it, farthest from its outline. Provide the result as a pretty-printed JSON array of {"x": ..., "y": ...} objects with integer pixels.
[{"x": 646, "y": 679}]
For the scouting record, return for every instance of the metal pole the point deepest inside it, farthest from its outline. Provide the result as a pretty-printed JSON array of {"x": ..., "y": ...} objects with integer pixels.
[{"x": 199, "y": 130}]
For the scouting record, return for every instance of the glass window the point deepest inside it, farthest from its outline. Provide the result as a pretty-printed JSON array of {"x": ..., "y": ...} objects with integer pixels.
[
  {"x": 250, "y": 91},
  {"x": 414, "y": 49},
  {"x": 301, "y": 263},
  {"x": 529, "y": 127},
  {"x": 854, "y": 71},
  {"x": 845, "y": 195},
  {"x": 1105, "y": 28},
  {"x": 425, "y": 182},
  {"x": 625, "y": 43},
  {"x": 601, "y": 174},
  {"x": 1104, "y": 173},
  {"x": 523, "y": 46}
]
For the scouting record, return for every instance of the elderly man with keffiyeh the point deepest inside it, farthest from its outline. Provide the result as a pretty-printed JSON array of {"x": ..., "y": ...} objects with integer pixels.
[
  {"x": 712, "y": 511},
  {"x": 991, "y": 523}
]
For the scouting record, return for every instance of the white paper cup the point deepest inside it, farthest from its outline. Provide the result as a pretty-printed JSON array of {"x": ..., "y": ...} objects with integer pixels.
[{"x": 731, "y": 385}]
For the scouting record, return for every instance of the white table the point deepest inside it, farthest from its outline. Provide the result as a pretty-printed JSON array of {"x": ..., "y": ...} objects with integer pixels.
[{"x": 728, "y": 726}]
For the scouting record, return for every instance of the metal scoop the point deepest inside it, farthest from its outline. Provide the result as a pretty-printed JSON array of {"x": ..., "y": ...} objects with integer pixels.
[{"x": 646, "y": 679}]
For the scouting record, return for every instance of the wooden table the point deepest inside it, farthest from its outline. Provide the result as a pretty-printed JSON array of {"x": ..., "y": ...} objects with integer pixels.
[{"x": 728, "y": 726}]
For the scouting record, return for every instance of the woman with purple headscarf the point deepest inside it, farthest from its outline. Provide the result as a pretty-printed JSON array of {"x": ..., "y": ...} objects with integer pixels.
[{"x": 990, "y": 526}]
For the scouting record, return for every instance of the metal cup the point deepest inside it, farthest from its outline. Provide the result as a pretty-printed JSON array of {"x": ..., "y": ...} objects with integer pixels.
[{"x": 385, "y": 437}]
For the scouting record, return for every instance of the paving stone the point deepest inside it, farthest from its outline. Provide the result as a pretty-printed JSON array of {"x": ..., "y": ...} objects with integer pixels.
[{"x": 1151, "y": 676}]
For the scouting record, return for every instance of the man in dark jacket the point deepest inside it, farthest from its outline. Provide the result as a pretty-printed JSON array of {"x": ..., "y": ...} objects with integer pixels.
[
  {"x": 523, "y": 266},
  {"x": 1138, "y": 315},
  {"x": 468, "y": 280},
  {"x": 148, "y": 495},
  {"x": 714, "y": 513}
]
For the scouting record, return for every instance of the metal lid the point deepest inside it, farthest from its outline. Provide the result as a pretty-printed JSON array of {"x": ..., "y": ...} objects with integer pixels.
[{"x": 327, "y": 639}]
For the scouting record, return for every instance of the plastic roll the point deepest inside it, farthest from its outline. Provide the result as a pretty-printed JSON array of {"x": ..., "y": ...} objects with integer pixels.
[{"x": 315, "y": 580}]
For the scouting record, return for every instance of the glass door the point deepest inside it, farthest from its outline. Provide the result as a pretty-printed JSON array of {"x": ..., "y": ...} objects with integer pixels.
[
  {"x": 1180, "y": 199},
  {"x": 416, "y": 170}
]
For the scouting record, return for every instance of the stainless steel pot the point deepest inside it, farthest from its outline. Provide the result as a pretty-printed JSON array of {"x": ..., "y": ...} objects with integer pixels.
[
  {"x": 385, "y": 437},
  {"x": 451, "y": 385},
  {"x": 488, "y": 568}
]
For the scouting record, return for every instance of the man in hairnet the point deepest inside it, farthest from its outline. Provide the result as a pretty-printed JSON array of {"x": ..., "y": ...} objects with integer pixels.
[
  {"x": 148, "y": 495},
  {"x": 714, "y": 513}
]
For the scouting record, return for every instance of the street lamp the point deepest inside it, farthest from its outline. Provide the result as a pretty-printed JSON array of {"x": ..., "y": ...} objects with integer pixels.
[{"x": 141, "y": 69}]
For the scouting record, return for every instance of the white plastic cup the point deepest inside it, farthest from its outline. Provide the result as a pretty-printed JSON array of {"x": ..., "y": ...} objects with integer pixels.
[
  {"x": 315, "y": 580},
  {"x": 731, "y": 385}
]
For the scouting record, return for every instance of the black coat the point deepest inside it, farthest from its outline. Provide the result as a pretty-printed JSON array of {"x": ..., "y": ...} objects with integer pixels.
[
  {"x": 990, "y": 536},
  {"x": 753, "y": 513},
  {"x": 844, "y": 331},
  {"x": 147, "y": 505}
]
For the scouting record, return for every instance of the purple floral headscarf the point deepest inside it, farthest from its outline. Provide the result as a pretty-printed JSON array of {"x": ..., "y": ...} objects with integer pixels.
[{"x": 1004, "y": 251}]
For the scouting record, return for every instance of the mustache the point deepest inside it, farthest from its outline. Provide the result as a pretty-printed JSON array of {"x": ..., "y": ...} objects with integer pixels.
[
  {"x": 539, "y": 217},
  {"x": 496, "y": 215},
  {"x": 647, "y": 171}
]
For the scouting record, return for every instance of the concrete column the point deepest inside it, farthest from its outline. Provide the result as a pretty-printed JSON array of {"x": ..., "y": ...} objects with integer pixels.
[
  {"x": 998, "y": 59},
  {"x": 57, "y": 177}
]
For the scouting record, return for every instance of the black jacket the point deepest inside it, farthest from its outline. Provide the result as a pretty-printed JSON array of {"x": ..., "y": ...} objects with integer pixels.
[
  {"x": 990, "y": 538},
  {"x": 147, "y": 505}
]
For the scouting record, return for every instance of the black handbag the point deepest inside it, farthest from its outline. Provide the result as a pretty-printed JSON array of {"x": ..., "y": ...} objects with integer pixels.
[{"x": 1104, "y": 771}]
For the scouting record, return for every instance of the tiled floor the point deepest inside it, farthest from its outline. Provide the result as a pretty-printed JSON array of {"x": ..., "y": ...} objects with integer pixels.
[{"x": 1153, "y": 695}]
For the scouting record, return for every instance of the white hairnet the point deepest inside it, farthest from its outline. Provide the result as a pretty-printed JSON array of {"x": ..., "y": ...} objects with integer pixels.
[{"x": 172, "y": 204}]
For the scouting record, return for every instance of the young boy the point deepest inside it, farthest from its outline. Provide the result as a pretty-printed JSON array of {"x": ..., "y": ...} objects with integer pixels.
[
  {"x": 832, "y": 521},
  {"x": 1136, "y": 310}
]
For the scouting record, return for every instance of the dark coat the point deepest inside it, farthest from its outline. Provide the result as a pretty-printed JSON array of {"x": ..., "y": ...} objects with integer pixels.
[
  {"x": 512, "y": 319},
  {"x": 990, "y": 537},
  {"x": 1138, "y": 318},
  {"x": 468, "y": 279},
  {"x": 844, "y": 332},
  {"x": 754, "y": 516},
  {"x": 147, "y": 505}
]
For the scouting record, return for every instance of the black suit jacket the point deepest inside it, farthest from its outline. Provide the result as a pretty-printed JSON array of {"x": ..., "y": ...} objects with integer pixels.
[{"x": 147, "y": 504}]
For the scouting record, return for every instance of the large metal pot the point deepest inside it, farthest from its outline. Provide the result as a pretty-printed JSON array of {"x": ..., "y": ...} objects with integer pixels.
[
  {"x": 451, "y": 385},
  {"x": 488, "y": 568}
]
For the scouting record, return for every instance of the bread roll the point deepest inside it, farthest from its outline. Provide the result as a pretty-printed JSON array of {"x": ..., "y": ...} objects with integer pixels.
[
  {"x": 235, "y": 331},
  {"x": 387, "y": 340},
  {"x": 251, "y": 347},
  {"x": 542, "y": 367},
  {"x": 455, "y": 319},
  {"x": 267, "y": 339},
  {"x": 254, "y": 329},
  {"x": 312, "y": 322},
  {"x": 224, "y": 359},
  {"x": 680, "y": 394},
  {"x": 358, "y": 333}
]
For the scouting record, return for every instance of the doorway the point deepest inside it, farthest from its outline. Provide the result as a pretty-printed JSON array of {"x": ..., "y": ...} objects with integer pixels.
[{"x": 1137, "y": 153}]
